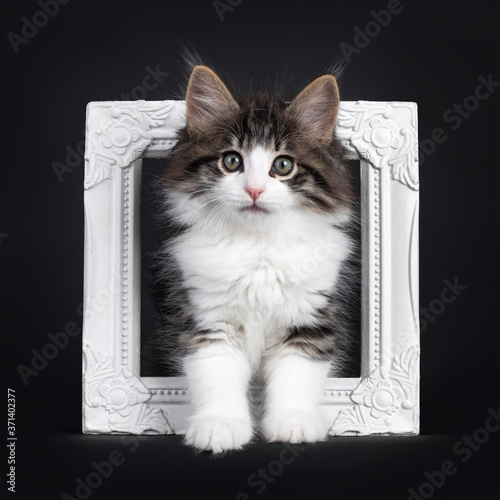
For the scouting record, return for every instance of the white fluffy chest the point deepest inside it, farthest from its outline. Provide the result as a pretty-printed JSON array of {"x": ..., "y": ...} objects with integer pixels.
[{"x": 252, "y": 286}]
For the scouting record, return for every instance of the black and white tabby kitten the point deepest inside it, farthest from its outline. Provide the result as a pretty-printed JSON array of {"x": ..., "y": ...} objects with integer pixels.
[{"x": 259, "y": 200}]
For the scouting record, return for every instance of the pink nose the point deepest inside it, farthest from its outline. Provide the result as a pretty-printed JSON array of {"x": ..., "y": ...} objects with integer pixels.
[{"x": 254, "y": 192}]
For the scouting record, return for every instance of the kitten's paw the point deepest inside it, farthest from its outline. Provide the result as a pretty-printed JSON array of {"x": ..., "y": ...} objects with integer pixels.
[
  {"x": 295, "y": 427},
  {"x": 219, "y": 433}
]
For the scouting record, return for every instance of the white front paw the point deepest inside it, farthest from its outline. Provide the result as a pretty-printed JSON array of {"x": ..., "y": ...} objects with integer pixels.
[
  {"x": 219, "y": 433},
  {"x": 295, "y": 427}
]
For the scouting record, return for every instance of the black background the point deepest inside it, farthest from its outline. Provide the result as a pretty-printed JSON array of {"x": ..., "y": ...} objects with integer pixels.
[{"x": 430, "y": 53}]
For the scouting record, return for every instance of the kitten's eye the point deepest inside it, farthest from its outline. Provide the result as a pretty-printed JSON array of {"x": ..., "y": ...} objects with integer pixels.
[
  {"x": 282, "y": 165},
  {"x": 233, "y": 162}
]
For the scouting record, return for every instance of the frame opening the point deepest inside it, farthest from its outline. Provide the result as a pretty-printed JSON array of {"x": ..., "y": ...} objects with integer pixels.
[{"x": 152, "y": 234}]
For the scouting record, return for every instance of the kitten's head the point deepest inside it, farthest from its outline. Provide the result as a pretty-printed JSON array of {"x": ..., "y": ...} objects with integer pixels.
[{"x": 258, "y": 156}]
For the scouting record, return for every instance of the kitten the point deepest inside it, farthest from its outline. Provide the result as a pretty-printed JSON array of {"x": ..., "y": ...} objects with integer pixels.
[{"x": 259, "y": 202}]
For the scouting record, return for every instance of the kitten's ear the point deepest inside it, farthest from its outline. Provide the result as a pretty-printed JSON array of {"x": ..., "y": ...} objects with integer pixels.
[
  {"x": 316, "y": 107},
  {"x": 206, "y": 97}
]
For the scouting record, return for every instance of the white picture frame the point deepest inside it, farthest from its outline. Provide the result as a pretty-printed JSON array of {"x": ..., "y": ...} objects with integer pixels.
[{"x": 116, "y": 399}]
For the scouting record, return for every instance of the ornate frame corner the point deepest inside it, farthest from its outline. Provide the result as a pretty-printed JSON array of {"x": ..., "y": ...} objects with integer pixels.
[{"x": 384, "y": 400}]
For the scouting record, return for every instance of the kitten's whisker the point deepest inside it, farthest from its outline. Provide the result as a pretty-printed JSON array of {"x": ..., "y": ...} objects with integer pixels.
[
  {"x": 221, "y": 217},
  {"x": 228, "y": 216},
  {"x": 216, "y": 220},
  {"x": 211, "y": 216},
  {"x": 212, "y": 200}
]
